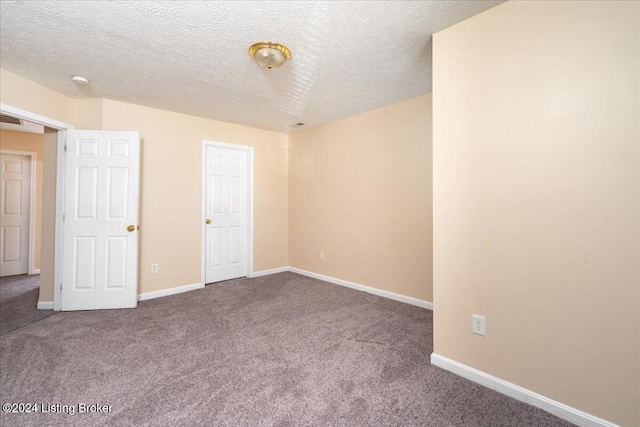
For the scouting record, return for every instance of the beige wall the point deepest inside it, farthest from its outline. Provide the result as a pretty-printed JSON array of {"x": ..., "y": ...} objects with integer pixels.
[
  {"x": 170, "y": 211},
  {"x": 22, "y": 141},
  {"x": 536, "y": 199},
  {"x": 47, "y": 249},
  {"x": 19, "y": 92},
  {"x": 87, "y": 113},
  {"x": 171, "y": 190},
  {"x": 360, "y": 190}
]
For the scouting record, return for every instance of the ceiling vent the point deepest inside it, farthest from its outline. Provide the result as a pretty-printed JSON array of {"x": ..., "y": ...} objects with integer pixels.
[
  {"x": 10, "y": 120},
  {"x": 296, "y": 125}
]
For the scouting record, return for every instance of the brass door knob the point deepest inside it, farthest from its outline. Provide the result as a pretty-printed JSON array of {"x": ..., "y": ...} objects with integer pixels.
[
  {"x": 131, "y": 228},
  {"x": 207, "y": 221}
]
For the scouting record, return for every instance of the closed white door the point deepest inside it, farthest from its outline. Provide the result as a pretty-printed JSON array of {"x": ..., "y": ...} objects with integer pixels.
[
  {"x": 15, "y": 189},
  {"x": 226, "y": 206},
  {"x": 100, "y": 255}
]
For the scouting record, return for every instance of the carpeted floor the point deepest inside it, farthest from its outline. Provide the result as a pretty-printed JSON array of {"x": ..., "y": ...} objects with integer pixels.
[
  {"x": 18, "y": 301},
  {"x": 281, "y": 350}
]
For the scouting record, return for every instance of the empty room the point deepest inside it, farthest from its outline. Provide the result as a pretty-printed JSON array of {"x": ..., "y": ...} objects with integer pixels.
[{"x": 318, "y": 213}]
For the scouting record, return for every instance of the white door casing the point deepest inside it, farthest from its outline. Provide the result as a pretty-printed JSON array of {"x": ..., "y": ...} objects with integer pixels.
[
  {"x": 227, "y": 207},
  {"x": 15, "y": 213},
  {"x": 101, "y": 197}
]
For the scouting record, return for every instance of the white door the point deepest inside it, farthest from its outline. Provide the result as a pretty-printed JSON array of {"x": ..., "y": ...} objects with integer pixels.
[
  {"x": 226, "y": 207},
  {"x": 15, "y": 189},
  {"x": 100, "y": 255}
]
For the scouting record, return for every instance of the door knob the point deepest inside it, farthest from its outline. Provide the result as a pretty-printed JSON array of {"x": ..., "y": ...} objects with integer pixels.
[
  {"x": 207, "y": 221},
  {"x": 131, "y": 228}
]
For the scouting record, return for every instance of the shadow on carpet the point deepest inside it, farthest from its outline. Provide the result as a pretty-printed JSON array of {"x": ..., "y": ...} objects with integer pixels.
[
  {"x": 19, "y": 301},
  {"x": 279, "y": 350}
]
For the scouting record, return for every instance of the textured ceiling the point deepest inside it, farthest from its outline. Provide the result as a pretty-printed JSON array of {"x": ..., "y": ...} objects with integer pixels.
[{"x": 191, "y": 57}]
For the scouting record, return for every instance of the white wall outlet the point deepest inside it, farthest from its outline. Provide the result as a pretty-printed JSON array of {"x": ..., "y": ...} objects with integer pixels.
[
  {"x": 154, "y": 268},
  {"x": 322, "y": 255},
  {"x": 477, "y": 324}
]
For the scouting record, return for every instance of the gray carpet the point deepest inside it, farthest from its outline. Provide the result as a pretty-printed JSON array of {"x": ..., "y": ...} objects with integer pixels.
[
  {"x": 282, "y": 350},
  {"x": 18, "y": 301}
]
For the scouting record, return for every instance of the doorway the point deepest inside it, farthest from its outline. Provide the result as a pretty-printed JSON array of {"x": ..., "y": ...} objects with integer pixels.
[
  {"x": 227, "y": 211},
  {"x": 51, "y": 207},
  {"x": 53, "y": 132}
]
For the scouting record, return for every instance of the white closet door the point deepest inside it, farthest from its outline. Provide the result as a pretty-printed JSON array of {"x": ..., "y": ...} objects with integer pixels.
[{"x": 226, "y": 213}]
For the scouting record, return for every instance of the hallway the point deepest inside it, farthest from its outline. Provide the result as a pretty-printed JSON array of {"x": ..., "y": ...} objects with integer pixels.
[{"x": 18, "y": 301}]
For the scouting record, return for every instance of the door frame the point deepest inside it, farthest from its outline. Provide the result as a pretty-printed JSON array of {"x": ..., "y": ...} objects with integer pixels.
[
  {"x": 32, "y": 155},
  {"x": 61, "y": 127},
  {"x": 250, "y": 189}
]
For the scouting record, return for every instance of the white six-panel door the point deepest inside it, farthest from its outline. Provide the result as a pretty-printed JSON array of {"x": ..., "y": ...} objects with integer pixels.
[
  {"x": 226, "y": 213},
  {"x": 15, "y": 199},
  {"x": 100, "y": 255}
]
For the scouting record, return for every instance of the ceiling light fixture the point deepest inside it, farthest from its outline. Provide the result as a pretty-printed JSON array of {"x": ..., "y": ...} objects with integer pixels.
[
  {"x": 269, "y": 54},
  {"x": 80, "y": 79}
]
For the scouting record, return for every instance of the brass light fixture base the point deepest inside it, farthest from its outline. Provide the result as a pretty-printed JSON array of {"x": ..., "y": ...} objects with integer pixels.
[{"x": 269, "y": 54}]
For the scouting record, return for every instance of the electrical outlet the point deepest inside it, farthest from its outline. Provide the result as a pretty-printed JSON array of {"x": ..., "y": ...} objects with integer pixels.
[
  {"x": 154, "y": 268},
  {"x": 477, "y": 324},
  {"x": 322, "y": 255}
]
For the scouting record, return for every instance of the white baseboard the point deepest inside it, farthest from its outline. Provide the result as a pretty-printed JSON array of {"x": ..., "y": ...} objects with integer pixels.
[
  {"x": 170, "y": 291},
  {"x": 379, "y": 292},
  {"x": 45, "y": 305},
  {"x": 268, "y": 272},
  {"x": 34, "y": 271},
  {"x": 519, "y": 393}
]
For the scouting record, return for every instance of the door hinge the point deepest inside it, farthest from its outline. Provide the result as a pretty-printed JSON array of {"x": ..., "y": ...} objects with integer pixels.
[
  {"x": 65, "y": 148},
  {"x": 60, "y": 287},
  {"x": 63, "y": 216}
]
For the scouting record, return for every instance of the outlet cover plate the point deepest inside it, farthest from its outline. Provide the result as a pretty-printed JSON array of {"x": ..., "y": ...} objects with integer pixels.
[{"x": 477, "y": 325}]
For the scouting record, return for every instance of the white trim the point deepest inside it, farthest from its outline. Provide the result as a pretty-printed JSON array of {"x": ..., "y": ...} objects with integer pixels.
[
  {"x": 379, "y": 292},
  {"x": 271, "y": 271},
  {"x": 32, "y": 213},
  {"x": 45, "y": 305},
  {"x": 33, "y": 117},
  {"x": 203, "y": 236},
  {"x": 170, "y": 291},
  {"x": 519, "y": 393},
  {"x": 36, "y": 271},
  {"x": 32, "y": 155},
  {"x": 250, "y": 182},
  {"x": 203, "y": 204},
  {"x": 18, "y": 152}
]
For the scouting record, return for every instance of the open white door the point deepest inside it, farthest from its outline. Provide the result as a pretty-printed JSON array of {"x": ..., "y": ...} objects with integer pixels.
[{"x": 102, "y": 186}]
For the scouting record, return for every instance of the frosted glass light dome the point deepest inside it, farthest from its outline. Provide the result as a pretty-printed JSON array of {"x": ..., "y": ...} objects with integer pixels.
[{"x": 269, "y": 54}]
